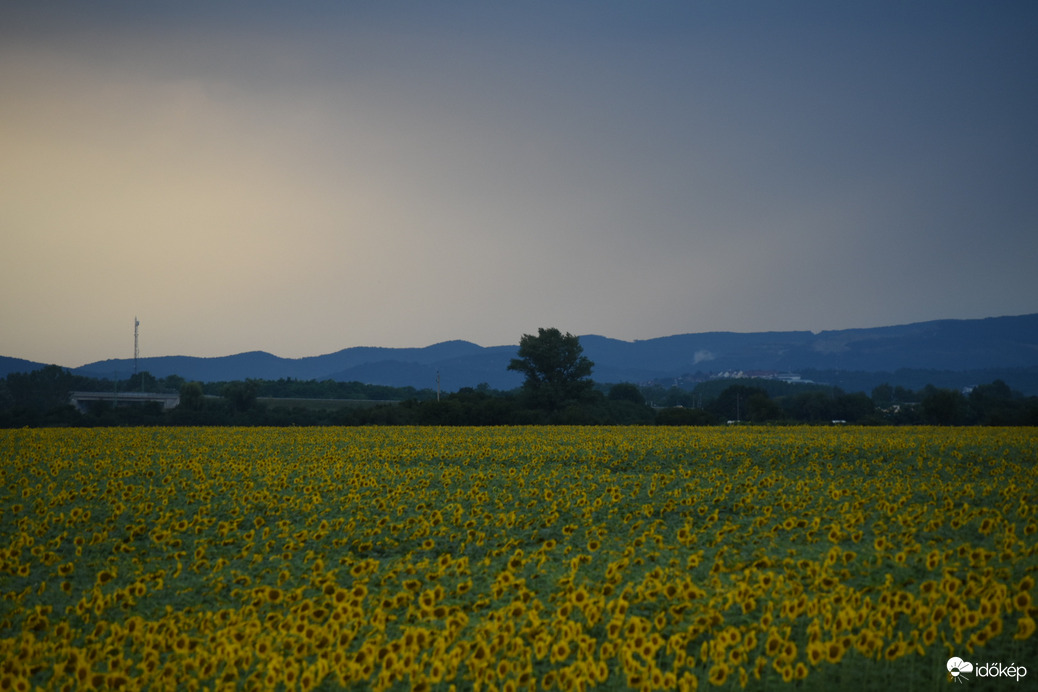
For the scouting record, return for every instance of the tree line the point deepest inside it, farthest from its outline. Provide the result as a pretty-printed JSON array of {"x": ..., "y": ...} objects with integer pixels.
[{"x": 558, "y": 389}]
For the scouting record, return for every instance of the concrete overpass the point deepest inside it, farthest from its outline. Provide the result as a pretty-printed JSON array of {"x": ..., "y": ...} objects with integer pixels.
[{"x": 82, "y": 400}]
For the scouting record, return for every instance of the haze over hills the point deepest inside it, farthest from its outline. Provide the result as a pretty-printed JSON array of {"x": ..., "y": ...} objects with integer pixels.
[{"x": 997, "y": 343}]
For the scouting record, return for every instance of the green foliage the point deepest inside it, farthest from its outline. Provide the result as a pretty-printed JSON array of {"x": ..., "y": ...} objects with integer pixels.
[
  {"x": 40, "y": 399},
  {"x": 556, "y": 370},
  {"x": 240, "y": 395},
  {"x": 944, "y": 406},
  {"x": 43, "y": 389},
  {"x": 734, "y": 403},
  {"x": 330, "y": 389},
  {"x": 625, "y": 391},
  {"x": 811, "y": 407},
  {"x": 192, "y": 397},
  {"x": 142, "y": 382}
]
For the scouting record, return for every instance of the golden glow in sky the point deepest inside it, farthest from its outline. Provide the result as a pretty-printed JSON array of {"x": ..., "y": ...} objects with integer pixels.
[{"x": 320, "y": 176}]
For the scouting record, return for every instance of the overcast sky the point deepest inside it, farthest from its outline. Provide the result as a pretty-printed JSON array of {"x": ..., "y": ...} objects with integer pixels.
[{"x": 304, "y": 177}]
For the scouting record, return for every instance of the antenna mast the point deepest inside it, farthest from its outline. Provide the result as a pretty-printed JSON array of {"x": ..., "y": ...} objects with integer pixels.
[{"x": 136, "y": 346}]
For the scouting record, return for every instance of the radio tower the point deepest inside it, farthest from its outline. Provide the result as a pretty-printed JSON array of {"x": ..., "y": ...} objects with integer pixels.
[{"x": 136, "y": 347}]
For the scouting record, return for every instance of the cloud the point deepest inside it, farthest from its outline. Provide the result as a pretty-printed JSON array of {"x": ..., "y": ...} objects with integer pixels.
[{"x": 304, "y": 181}]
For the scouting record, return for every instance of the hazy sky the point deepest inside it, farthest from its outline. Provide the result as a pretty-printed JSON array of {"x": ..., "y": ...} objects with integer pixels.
[{"x": 303, "y": 177}]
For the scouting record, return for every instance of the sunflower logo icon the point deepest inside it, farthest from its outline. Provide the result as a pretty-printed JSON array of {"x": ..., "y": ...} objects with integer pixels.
[{"x": 957, "y": 667}]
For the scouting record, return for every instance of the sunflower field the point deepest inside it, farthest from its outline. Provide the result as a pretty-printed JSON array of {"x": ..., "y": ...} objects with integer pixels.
[{"x": 514, "y": 558}]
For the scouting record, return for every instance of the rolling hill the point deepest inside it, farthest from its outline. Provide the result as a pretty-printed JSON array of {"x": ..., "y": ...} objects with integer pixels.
[{"x": 991, "y": 344}]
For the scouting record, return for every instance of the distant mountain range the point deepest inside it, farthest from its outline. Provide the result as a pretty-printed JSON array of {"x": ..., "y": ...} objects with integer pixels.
[{"x": 991, "y": 344}]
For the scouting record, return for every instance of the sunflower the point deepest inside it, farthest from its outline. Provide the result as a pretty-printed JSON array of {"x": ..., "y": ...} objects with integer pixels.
[
  {"x": 718, "y": 673},
  {"x": 773, "y": 646},
  {"x": 933, "y": 559},
  {"x": 930, "y": 635},
  {"x": 950, "y": 585},
  {"x": 1024, "y": 628},
  {"x": 816, "y": 652},
  {"x": 559, "y": 652}
]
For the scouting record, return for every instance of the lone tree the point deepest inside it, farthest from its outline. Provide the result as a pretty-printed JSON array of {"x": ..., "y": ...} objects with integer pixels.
[{"x": 556, "y": 369}]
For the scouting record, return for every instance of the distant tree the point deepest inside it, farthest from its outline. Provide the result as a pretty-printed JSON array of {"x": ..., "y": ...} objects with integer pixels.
[
  {"x": 625, "y": 391},
  {"x": 192, "y": 397},
  {"x": 6, "y": 398},
  {"x": 761, "y": 408},
  {"x": 240, "y": 395},
  {"x": 904, "y": 395},
  {"x": 854, "y": 407},
  {"x": 944, "y": 406},
  {"x": 43, "y": 389},
  {"x": 995, "y": 404},
  {"x": 555, "y": 368},
  {"x": 811, "y": 407},
  {"x": 883, "y": 395},
  {"x": 142, "y": 382},
  {"x": 996, "y": 392},
  {"x": 734, "y": 403},
  {"x": 171, "y": 383}
]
